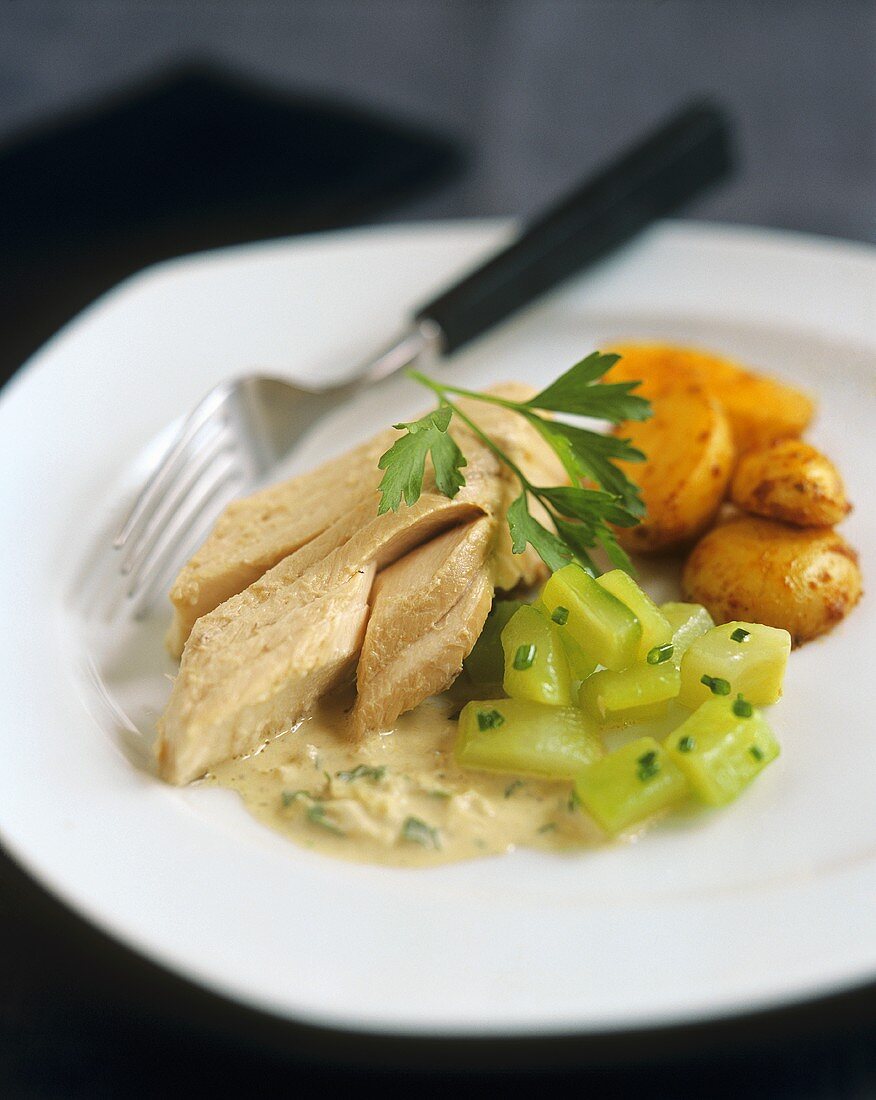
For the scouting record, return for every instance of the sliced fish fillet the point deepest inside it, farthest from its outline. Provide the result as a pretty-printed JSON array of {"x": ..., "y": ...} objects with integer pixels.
[
  {"x": 427, "y": 611},
  {"x": 254, "y": 533},
  {"x": 430, "y": 664},
  {"x": 302, "y": 654},
  {"x": 250, "y": 642},
  {"x": 255, "y": 663}
]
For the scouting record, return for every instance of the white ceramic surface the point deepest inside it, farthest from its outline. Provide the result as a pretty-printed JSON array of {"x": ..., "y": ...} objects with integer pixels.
[{"x": 768, "y": 901}]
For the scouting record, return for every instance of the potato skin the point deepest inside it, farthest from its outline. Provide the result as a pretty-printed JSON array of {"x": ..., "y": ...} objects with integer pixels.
[
  {"x": 792, "y": 481},
  {"x": 760, "y": 409},
  {"x": 690, "y": 458},
  {"x": 804, "y": 580}
]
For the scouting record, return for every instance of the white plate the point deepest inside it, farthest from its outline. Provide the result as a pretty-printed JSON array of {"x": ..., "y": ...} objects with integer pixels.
[{"x": 769, "y": 901}]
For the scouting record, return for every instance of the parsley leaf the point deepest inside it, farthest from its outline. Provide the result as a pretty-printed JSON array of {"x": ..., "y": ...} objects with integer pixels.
[
  {"x": 405, "y": 460},
  {"x": 583, "y": 513},
  {"x": 576, "y": 392},
  {"x": 526, "y": 529},
  {"x": 588, "y": 505},
  {"x": 590, "y": 456}
]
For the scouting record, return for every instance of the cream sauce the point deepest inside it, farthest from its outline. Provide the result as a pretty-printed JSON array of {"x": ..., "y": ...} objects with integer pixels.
[{"x": 400, "y": 797}]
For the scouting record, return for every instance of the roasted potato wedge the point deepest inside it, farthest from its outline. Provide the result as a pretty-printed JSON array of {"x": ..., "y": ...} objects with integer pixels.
[
  {"x": 690, "y": 458},
  {"x": 759, "y": 570},
  {"x": 760, "y": 409},
  {"x": 792, "y": 481}
]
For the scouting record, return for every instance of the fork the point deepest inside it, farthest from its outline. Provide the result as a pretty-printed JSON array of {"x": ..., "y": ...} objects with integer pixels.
[{"x": 246, "y": 426}]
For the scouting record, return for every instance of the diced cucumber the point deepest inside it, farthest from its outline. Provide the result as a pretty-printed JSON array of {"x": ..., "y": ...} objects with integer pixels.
[
  {"x": 630, "y": 784},
  {"x": 655, "y": 628},
  {"x": 687, "y": 621},
  {"x": 720, "y": 750},
  {"x": 581, "y": 664},
  {"x": 536, "y": 667},
  {"x": 636, "y": 694},
  {"x": 518, "y": 737},
  {"x": 486, "y": 664},
  {"x": 598, "y": 621},
  {"x": 736, "y": 657}
]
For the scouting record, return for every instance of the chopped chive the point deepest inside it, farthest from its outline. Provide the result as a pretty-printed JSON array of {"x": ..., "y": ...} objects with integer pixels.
[
  {"x": 490, "y": 719},
  {"x": 648, "y": 766},
  {"x": 524, "y": 657},
  {"x": 560, "y": 615},
  {"x": 686, "y": 744},
  {"x": 512, "y": 787},
  {"x": 740, "y": 634},
  {"x": 550, "y": 827},
  {"x": 418, "y": 832},
  {"x": 660, "y": 653},
  {"x": 574, "y": 801},
  {"x": 438, "y": 793},
  {"x": 288, "y": 797},
  {"x": 741, "y": 707},
  {"x": 716, "y": 684},
  {"x": 316, "y": 815},
  {"x": 756, "y": 752},
  {"x": 363, "y": 771}
]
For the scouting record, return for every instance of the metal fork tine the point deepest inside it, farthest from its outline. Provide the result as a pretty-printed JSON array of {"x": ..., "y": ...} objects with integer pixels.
[
  {"x": 162, "y": 575},
  {"x": 151, "y": 522},
  {"x": 165, "y": 471},
  {"x": 222, "y": 473}
]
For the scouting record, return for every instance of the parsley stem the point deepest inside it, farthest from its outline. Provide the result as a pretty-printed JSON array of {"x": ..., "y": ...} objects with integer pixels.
[
  {"x": 488, "y": 398},
  {"x": 497, "y": 451},
  {"x": 580, "y": 517},
  {"x": 440, "y": 389}
]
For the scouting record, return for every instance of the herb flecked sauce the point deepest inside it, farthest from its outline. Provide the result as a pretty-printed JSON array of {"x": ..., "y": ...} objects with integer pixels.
[{"x": 398, "y": 798}]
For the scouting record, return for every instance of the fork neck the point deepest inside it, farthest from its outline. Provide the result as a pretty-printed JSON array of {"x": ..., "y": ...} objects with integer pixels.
[{"x": 423, "y": 340}]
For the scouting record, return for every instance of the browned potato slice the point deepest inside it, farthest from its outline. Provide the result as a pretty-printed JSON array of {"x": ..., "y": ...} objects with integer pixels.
[
  {"x": 760, "y": 409},
  {"x": 762, "y": 571},
  {"x": 792, "y": 481},
  {"x": 689, "y": 461}
]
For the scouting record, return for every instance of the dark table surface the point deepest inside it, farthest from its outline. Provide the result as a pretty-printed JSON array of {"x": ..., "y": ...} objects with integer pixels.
[{"x": 538, "y": 93}]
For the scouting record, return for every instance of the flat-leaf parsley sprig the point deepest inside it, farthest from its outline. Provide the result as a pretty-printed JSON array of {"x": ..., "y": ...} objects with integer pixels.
[{"x": 580, "y": 516}]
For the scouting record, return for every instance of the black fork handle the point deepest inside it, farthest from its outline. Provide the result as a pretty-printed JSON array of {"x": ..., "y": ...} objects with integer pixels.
[{"x": 652, "y": 179}]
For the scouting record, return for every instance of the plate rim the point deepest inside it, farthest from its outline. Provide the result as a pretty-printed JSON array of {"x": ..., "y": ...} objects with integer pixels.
[{"x": 743, "y": 234}]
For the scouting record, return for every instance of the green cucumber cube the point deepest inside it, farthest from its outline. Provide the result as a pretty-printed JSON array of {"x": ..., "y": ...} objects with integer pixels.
[
  {"x": 721, "y": 751},
  {"x": 635, "y": 694},
  {"x": 598, "y": 621},
  {"x": 486, "y": 663},
  {"x": 630, "y": 784},
  {"x": 581, "y": 663},
  {"x": 536, "y": 667},
  {"x": 748, "y": 657},
  {"x": 517, "y": 737},
  {"x": 687, "y": 622},
  {"x": 655, "y": 627}
]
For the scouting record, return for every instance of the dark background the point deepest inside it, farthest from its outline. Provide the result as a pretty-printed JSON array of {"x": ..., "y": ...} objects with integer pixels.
[
  {"x": 529, "y": 95},
  {"x": 538, "y": 90}
]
